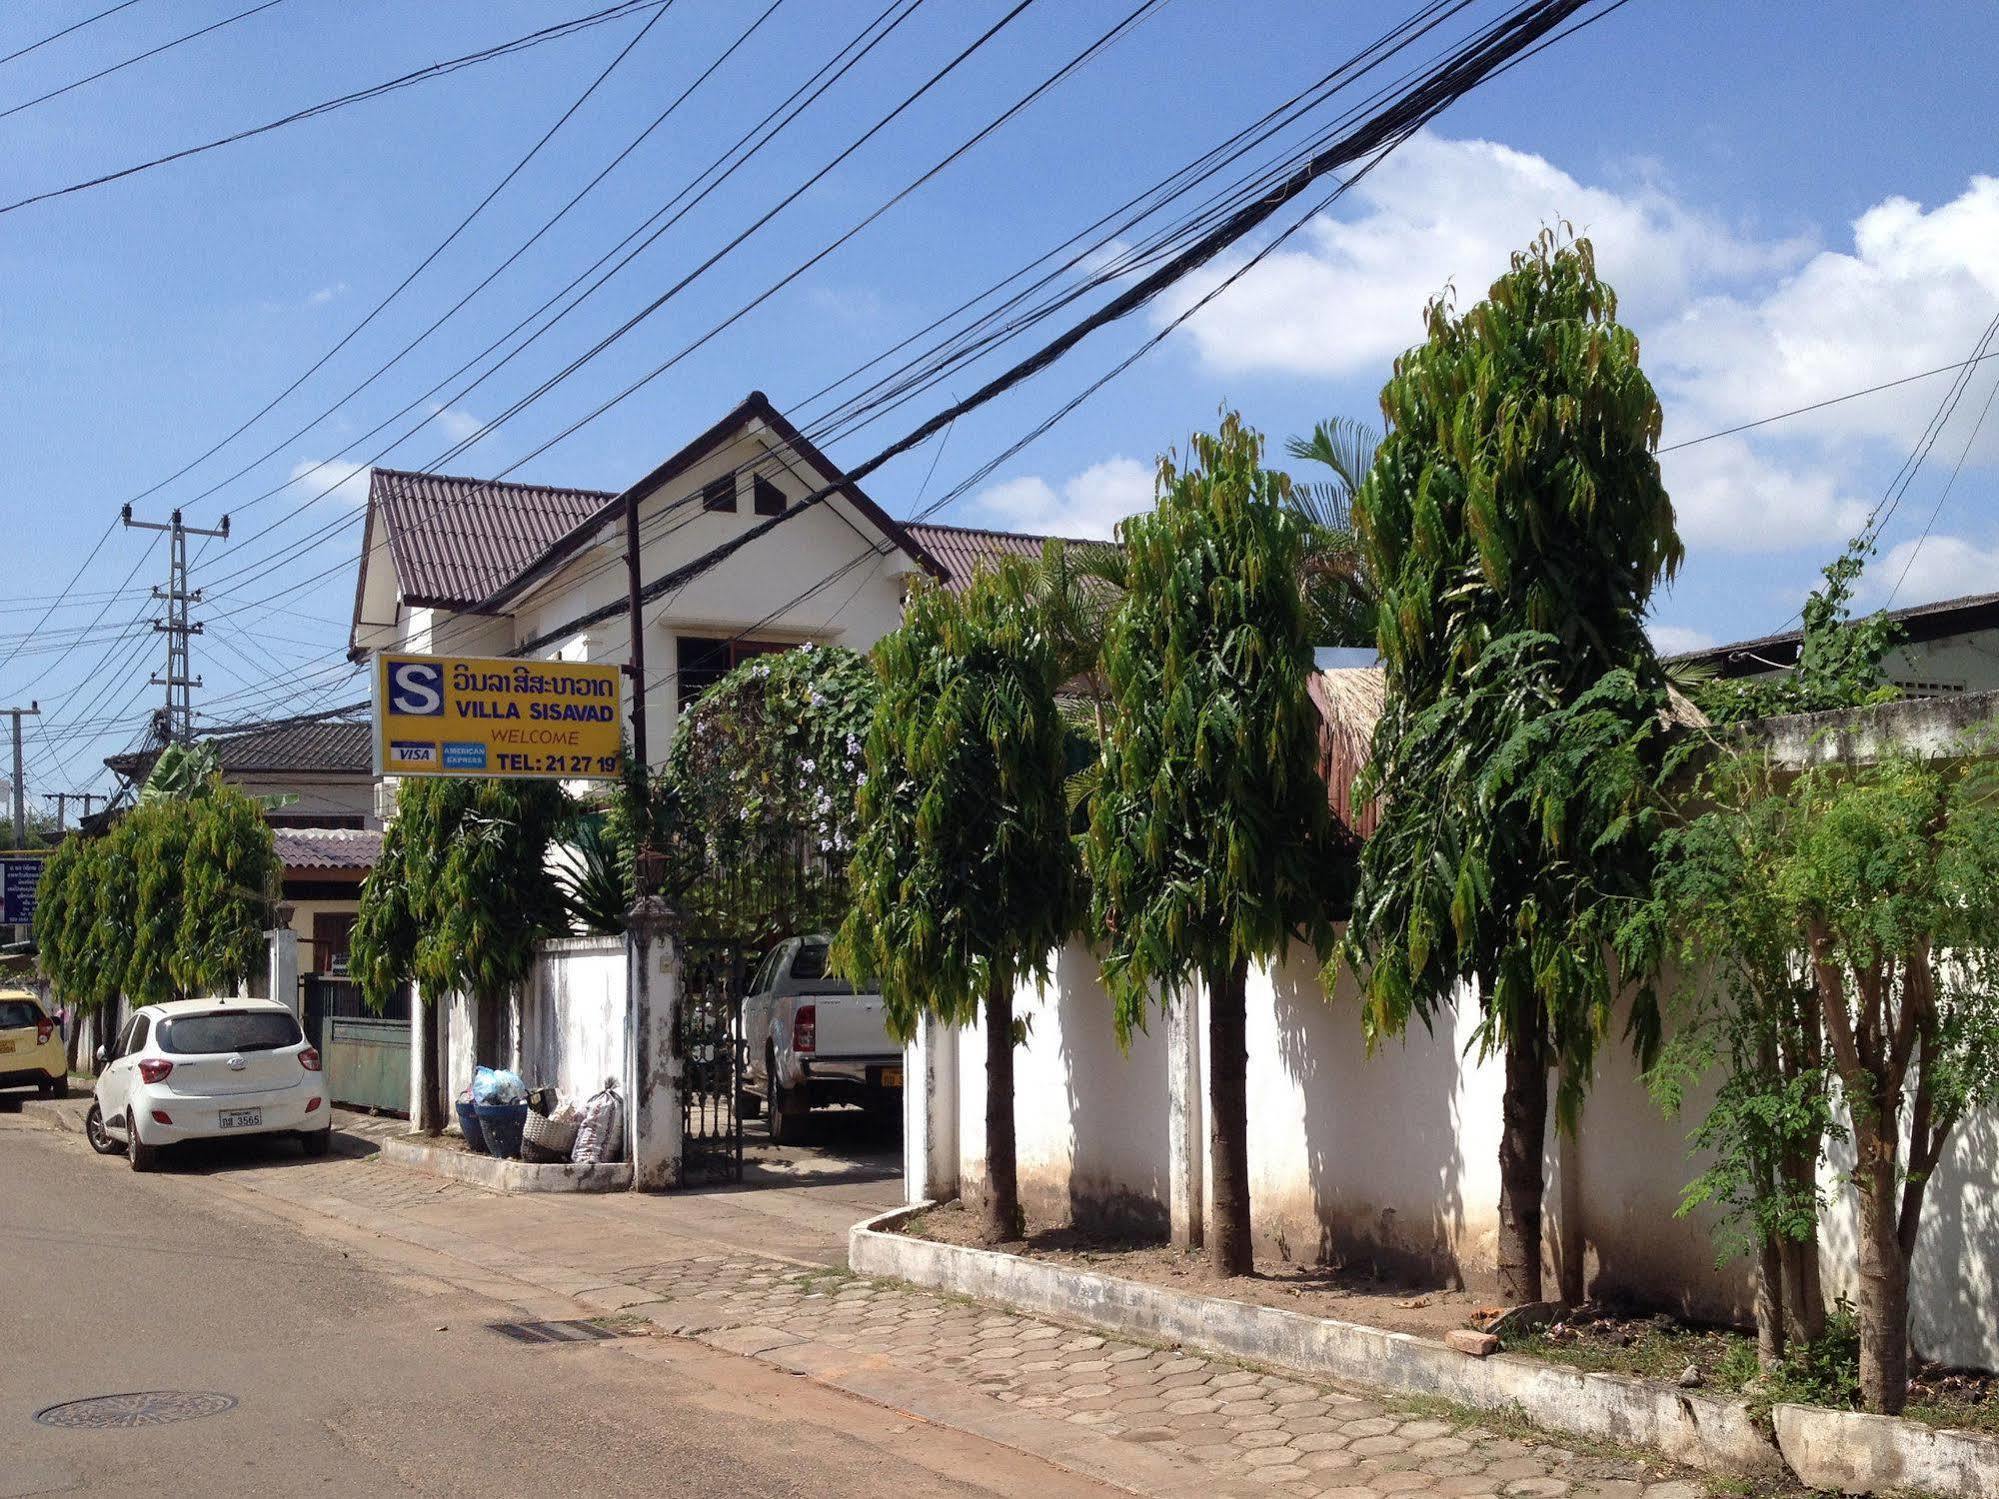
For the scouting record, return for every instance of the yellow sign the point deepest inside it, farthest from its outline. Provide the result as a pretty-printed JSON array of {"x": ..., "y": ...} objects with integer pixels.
[{"x": 496, "y": 716}]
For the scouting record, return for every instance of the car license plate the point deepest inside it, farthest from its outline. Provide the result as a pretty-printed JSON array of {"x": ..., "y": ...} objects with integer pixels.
[
  {"x": 891, "y": 1077},
  {"x": 7, "y": 1045},
  {"x": 239, "y": 1118}
]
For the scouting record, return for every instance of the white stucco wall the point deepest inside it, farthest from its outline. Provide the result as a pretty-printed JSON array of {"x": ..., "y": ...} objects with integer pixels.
[
  {"x": 1394, "y": 1158},
  {"x": 572, "y": 1032}
]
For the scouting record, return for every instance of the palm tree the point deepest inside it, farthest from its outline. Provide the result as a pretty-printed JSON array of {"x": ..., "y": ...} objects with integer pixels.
[{"x": 1339, "y": 591}]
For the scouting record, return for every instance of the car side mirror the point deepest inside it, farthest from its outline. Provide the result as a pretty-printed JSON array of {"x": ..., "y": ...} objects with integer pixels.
[{"x": 103, "y": 1056}]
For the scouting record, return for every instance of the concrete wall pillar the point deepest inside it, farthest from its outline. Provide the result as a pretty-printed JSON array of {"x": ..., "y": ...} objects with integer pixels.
[
  {"x": 655, "y": 1067},
  {"x": 930, "y": 1112},
  {"x": 1186, "y": 1122},
  {"x": 282, "y": 970}
]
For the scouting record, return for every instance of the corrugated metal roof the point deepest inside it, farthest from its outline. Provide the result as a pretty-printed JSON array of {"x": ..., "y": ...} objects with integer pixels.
[
  {"x": 1920, "y": 622},
  {"x": 327, "y": 848},
  {"x": 457, "y": 541},
  {"x": 962, "y": 548},
  {"x": 326, "y": 747}
]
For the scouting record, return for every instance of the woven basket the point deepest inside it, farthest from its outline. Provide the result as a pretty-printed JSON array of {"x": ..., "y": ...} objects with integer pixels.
[{"x": 546, "y": 1140}]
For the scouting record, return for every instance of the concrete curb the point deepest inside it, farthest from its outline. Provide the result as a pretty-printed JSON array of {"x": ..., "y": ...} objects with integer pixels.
[
  {"x": 508, "y": 1176},
  {"x": 1852, "y": 1452},
  {"x": 1719, "y": 1436}
]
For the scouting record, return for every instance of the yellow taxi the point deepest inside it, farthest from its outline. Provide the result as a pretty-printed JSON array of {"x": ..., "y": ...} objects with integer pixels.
[{"x": 31, "y": 1051}]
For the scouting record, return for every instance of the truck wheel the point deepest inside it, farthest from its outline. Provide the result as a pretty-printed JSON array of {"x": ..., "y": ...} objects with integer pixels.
[
  {"x": 790, "y": 1115},
  {"x": 748, "y": 1105}
]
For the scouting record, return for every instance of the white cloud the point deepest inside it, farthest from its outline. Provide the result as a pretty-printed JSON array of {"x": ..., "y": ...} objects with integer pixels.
[
  {"x": 1350, "y": 295},
  {"x": 454, "y": 423},
  {"x": 1090, "y": 504},
  {"x": 1943, "y": 567},
  {"x": 333, "y": 480},
  {"x": 1911, "y": 294},
  {"x": 1670, "y": 640},
  {"x": 1729, "y": 496},
  {"x": 326, "y": 294}
]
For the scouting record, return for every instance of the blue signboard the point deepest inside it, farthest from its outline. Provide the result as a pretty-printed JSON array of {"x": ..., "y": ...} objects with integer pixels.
[{"x": 18, "y": 879}]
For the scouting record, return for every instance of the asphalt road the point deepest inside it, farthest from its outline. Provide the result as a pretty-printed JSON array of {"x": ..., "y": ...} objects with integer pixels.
[{"x": 355, "y": 1372}]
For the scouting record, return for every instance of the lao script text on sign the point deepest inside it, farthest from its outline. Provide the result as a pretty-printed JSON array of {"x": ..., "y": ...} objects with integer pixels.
[
  {"x": 494, "y": 716},
  {"x": 20, "y": 873}
]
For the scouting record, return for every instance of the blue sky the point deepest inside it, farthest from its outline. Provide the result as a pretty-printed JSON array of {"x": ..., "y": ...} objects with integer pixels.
[{"x": 1794, "y": 202}]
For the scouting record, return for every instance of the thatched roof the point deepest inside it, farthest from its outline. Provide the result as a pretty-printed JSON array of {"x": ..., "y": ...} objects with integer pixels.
[{"x": 1350, "y": 700}]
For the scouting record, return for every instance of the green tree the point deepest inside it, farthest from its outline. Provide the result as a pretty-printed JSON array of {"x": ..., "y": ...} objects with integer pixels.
[
  {"x": 1209, "y": 845},
  {"x": 1338, "y": 589},
  {"x": 1889, "y": 875},
  {"x": 1516, "y": 526},
  {"x": 1746, "y": 1003},
  {"x": 1839, "y": 657},
  {"x": 459, "y": 898},
  {"x": 964, "y": 873}
]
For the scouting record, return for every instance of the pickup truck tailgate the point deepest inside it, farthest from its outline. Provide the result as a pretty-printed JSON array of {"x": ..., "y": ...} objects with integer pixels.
[{"x": 850, "y": 1025}]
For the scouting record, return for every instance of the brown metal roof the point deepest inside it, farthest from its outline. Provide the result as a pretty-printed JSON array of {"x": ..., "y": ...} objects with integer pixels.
[
  {"x": 327, "y": 848},
  {"x": 962, "y": 548},
  {"x": 458, "y": 541},
  {"x": 325, "y": 747}
]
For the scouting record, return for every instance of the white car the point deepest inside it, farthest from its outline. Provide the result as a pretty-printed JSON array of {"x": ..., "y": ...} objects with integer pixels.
[{"x": 199, "y": 1069}]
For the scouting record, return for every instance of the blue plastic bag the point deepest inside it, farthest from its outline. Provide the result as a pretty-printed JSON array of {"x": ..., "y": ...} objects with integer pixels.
[{"x": 497, "y": 1085}]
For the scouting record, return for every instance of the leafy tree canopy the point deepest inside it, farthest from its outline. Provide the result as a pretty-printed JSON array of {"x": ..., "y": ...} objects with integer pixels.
[
  {"x": 1209, "y": 838},
  {"x": 964, "y": 872}
]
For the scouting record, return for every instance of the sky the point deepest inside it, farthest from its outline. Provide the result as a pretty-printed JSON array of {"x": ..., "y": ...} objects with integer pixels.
[{"x": 1794, "y": 202}]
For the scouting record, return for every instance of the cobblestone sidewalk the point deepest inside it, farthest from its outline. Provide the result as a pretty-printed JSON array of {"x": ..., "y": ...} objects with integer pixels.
[{"x": 1145, "y": 1419}]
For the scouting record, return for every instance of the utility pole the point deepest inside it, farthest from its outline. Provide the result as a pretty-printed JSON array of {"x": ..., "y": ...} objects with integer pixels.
[
  {"x": 62, "y": 799},
  {"x": 33, "y": 710},
  {"x": 644, "y": 857},
  {"x": 177, "y": 722}
]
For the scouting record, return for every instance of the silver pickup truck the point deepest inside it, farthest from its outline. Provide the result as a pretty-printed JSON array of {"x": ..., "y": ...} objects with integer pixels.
[{"x": 812, "y": 1041}]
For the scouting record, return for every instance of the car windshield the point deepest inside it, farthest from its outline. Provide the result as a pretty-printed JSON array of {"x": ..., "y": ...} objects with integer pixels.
[
  {"x": 18, "y": 1013},
  {"x": 228, "y": 1030}
]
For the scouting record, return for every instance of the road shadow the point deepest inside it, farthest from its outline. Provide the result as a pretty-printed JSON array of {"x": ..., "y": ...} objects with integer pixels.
[{"x": 847, "y": 1145}]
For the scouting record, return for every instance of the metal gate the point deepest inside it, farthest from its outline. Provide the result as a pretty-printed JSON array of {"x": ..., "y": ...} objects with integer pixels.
[
  {"x": 366, "y": 1056},
  {"x": 711, "y": 1046}
]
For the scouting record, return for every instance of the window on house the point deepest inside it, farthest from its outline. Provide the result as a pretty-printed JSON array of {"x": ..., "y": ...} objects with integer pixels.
[
  {"x": 767, "y": 498},
  {"x": 719, "y": 494},
  {"x": 702, "y": 661}
]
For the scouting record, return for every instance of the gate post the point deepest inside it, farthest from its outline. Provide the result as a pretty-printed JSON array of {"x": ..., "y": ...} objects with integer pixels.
[
  {"x": 655, "y": 1070},
  {"x": 283, "y": 969}
]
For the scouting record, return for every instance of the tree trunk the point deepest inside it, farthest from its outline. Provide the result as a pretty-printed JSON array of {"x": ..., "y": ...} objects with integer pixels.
[
  {"x": 488, "y": 1041},
  {"x": 1003, "y": 1220},
  {"x": 1523, "y": 1131},
  {"x": 1772, "y": 1301},
  {"x": 1884, "y": 1275},
  {"x": 426, "y": 1033},
  {"x": 1804, "y": 1299},
  {"x": 1229, "y": 1250}
]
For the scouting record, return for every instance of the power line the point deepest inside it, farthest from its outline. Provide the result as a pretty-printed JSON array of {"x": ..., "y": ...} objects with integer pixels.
[
  {"x": 56, "y": 36},
  {"x": 1851, "y": 395},
  {"x": 55, "y": 93},
  {"x": 327, "y": 106},
  {"x": 1937, "y": 510}
]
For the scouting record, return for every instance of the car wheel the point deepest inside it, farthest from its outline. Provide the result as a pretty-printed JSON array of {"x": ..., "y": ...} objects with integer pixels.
[
  {"x": 316, "y": 1141},
  {"x": 59, "y": 1086},
  {"x": 144, "y": 1157},
  {"x": 95, "y": 1132},
  {"x": 790, "y": 1114}
]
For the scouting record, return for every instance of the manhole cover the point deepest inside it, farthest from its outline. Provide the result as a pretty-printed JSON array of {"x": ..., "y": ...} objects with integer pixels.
[
  {"x": 141, "y": 1408},
  {"x": 557, "y": 1332}
]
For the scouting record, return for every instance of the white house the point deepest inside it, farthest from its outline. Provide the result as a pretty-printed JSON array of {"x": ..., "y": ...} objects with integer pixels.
[{"x": 493, "y": 568}]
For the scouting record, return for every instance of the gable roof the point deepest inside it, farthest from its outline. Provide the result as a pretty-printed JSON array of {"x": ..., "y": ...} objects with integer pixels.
[
  {"x": 961, "y": 549},
  {"x": 323, "y": 747},
  {"x": 1920, "y": 622},
  {"x": 463, "y": 543},
  {"x": 342, "y": 849}
]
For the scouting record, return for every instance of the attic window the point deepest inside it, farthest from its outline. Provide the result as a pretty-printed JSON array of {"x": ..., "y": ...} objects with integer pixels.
[
  {"x": 767, "y": 497},
  {"x": 719, "y": 494}
]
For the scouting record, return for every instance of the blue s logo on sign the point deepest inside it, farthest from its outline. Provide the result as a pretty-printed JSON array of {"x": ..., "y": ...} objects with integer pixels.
[{"x": 416, "y": 688}]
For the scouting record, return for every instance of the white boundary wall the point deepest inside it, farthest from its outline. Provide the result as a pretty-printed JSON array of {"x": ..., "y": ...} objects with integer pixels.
[
  {"x": 1394, "y": 1158},
  {"x": 567, "y": 1028}
]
